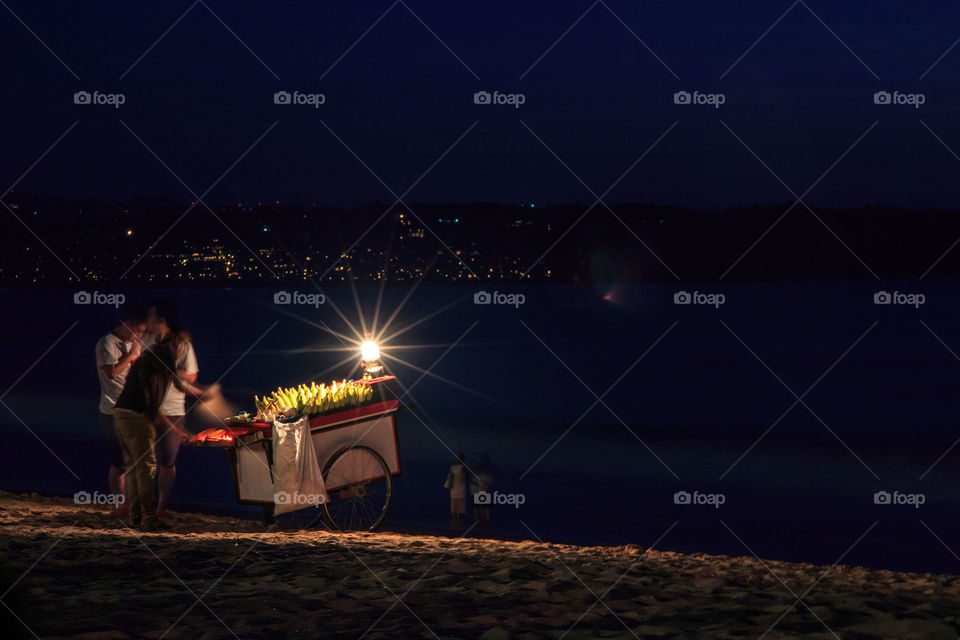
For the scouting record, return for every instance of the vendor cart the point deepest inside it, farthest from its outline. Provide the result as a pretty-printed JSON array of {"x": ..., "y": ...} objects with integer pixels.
[{"x": 357, "y": 452}]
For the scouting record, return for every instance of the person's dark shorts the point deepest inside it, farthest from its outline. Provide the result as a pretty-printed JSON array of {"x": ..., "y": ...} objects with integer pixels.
[
  {"x": 168, "y": 444},
  {"x": 476, "y": 503},
  {"x": 113, "y": 444}
]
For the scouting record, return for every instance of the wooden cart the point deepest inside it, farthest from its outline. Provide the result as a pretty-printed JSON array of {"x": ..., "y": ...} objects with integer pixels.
[{"x": 358, "y": 453}]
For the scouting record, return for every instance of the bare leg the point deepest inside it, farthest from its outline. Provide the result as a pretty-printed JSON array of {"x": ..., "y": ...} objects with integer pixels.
[
  {"x": 115, "y": 478},
  {"x": 166, "y": 476}
]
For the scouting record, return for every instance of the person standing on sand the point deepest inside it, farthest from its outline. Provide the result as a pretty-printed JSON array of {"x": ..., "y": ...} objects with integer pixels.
[
  {"x": 136, "y": 411},
  {"x": 457, "y": 484},
  {"x": 163, "y": 325},
  {"x": 483, "y": 479},
  {"x": 115, "y": 353}
]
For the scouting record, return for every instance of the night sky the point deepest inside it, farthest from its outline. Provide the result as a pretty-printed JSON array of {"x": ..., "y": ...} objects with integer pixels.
[{"x": 399, "y": 79}]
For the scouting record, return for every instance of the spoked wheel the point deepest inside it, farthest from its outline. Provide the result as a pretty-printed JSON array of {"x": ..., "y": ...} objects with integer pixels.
[{"x": 359, "y": 484}]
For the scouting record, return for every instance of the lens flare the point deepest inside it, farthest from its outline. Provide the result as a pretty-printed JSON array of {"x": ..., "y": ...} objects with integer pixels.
[{"x": 369, "y": 351}]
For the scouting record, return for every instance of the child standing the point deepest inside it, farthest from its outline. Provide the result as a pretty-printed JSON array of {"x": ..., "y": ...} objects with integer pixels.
[{"x": 457, "y": 484}]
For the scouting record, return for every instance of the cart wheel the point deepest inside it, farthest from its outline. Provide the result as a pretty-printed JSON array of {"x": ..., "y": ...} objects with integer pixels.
[{"x": 359, "y": 486}]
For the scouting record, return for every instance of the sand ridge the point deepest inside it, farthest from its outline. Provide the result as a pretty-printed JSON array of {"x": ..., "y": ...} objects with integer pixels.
[{"x": 89, "y": 576}]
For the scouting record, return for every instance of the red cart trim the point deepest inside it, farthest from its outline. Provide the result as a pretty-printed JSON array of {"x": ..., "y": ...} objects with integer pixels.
[{"x": 356, "y": 413}]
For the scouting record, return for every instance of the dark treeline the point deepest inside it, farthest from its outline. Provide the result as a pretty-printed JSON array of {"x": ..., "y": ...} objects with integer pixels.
[{"x": 242, "y": 243}]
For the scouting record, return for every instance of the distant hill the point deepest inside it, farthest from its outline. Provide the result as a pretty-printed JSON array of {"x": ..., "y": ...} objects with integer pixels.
[{"x": 253, "y": 243}]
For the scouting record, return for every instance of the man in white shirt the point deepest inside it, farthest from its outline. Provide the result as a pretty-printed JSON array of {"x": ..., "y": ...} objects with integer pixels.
[
  {"x": 115, "y": 353},
  {"x": 163, "y": 325}
]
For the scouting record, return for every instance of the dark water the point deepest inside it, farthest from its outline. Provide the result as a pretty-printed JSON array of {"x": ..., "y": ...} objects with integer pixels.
[{"x": 881, "y": 414}]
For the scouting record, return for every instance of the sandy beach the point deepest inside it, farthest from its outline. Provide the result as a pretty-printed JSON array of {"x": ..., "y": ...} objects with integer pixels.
[{"x": 73, "y": 572}]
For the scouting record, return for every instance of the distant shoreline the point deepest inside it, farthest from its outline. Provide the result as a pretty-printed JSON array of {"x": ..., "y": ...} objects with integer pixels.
[{"x": 141, "y": 243}]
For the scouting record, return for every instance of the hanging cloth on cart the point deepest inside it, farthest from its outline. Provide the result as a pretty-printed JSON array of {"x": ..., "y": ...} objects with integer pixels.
[{"x": 297, "y": 480}]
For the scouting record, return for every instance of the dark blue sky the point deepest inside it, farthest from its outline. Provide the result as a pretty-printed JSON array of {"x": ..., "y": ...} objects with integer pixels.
[{"x": 399, "y": 99}]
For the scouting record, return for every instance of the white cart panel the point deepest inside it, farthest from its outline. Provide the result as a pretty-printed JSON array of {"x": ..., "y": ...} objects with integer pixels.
[
  {"x": 379, "y": 434},
  {"x": 254, "y": 479}
]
